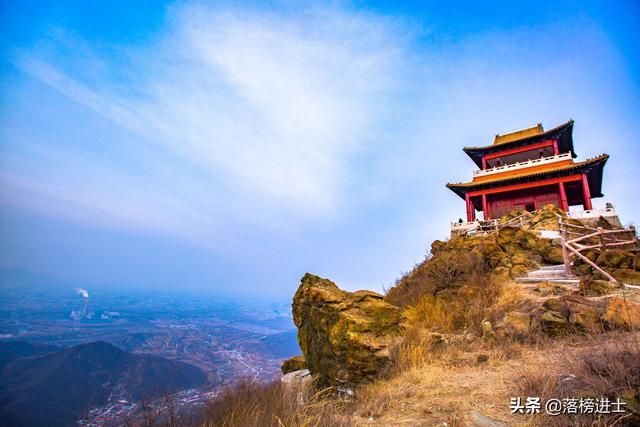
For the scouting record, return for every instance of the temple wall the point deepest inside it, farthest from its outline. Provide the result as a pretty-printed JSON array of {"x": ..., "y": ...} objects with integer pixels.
[{"x": 527, "y": 199}]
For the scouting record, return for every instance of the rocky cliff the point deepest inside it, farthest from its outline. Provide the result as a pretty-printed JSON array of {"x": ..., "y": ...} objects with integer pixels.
[{"x": 346, "y": 337}]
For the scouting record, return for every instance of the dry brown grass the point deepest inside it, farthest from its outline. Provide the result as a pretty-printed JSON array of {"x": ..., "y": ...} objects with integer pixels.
[
  {"x": 464, "y": 308},
  {"x": 452, "y": 383},
  {"x": 423, "y": 348},
  {"x": 249, "y": 404},
  {"x": 162, "y": 413},
  {"x": 454, "y": 291},
  {"x": 437, "y": 387},
  {"x": 443, "y": 270},
  {"x": 605, "y": 365},
  {"x": 448, "y": 382}
]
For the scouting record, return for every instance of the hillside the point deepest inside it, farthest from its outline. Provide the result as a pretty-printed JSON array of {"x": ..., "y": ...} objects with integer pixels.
[
  {"x": 12, "y": 350},
  {"x": 457, "y": 337},
  {"x": 57, "y": 388}
]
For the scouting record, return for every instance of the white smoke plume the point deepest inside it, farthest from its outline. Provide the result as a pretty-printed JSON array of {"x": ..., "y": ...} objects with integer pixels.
[{"x": 83, "y": 292}]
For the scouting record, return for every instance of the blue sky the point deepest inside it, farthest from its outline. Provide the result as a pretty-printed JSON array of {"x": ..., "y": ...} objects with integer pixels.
[{"x": 229, "y": 148}]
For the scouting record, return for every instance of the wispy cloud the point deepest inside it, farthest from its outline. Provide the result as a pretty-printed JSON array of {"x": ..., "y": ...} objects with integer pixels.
[
  {"x": 315, "y": 139},
  {"x": 258, "y": 113}
]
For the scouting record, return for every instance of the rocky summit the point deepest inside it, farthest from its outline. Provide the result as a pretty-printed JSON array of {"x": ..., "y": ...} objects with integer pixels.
[
  {"x": 346, "y": 337},
  {"x": 490, "y": 307},
  {"x": 570, "y": 314}
]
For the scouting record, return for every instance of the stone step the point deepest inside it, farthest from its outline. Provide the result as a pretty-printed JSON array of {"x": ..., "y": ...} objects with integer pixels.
[
  {"x": 549, "y": 234},
  {"x": 552, "y": 267},
  {"x": 550, "y": 274},
  {"x": 564, "y": 281}
]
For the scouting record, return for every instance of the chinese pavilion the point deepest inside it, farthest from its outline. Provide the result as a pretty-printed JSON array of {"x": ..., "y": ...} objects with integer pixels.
[{"x": 528, "y": 169}]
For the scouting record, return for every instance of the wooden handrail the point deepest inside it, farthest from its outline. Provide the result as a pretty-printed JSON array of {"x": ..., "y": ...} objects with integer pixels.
[
  {"x": 586, "y": 247},
  {"x": 585, "y": 237},
  {"x": 593, "y": 264},
  {"x": 573, "y": 246},
  {"x": 577, "y": 226}
]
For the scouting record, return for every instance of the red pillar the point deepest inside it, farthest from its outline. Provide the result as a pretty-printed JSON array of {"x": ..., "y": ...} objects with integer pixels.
[
  {"x": 556, "y": 151},
  {"x": 485, "y": 207},
  {"x": 586, "y": 193},
  {"x": 563, "y": 197},
  {"x": 471, "y": 214},
  {"x": 484, "y": 163}
]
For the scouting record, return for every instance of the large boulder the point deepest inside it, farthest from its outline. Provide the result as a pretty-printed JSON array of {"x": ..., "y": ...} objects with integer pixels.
[
  {"x": 554, "y": 323},
  {"x": 581, "y": 267},
  {"x": 627, "y": 276},
  {"x": 615, "y": 258},
  {"x": 568, "y": 314},
  {"x": 547, "y": 218},
  {"x": 515, "y": 324},
  {"x": 584, "y": 314},
  {"x": 494, "y": 256},
  {"x": 295, "y": 363},
  {"x": 550, "y": 250},
  {"x": 593, "y": 288},
  {"x": 522, "y": 250},
  {"x": 621, "y": 313},
  {"x": 346, "y": 337},
  {"x": 574, "y": 313},
  {"x": 437, "y": 246},
  {"x": 515, "y": 239}
]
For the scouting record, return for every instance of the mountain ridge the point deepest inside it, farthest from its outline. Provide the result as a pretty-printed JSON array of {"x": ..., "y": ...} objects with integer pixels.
[{"x": 58, "y": 388}]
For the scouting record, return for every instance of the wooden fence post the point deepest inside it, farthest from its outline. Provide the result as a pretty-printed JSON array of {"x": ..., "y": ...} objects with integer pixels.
[
  {"x": 565, "y": 252},
  {"x": 601, "y": 240}
]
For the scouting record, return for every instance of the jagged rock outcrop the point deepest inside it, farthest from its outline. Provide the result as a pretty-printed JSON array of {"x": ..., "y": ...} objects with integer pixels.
[
  {"x": 593, "y": 288},
  {"x": 622, "y": 264},
  {"x": 545, "y": 218},
  {"x": 569, "y": 314},
  {"x": 515, "y": 249},
  {"x": 628, "y": 276},
  {"x": 295, "y": 363},
  {"x": 621, "y": 313},
  {"x": 511, "y": 252},
  {"x": 346, "y": 337}
]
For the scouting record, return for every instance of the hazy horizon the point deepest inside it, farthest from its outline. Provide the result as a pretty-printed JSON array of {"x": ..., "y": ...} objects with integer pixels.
[{"x": 229, "y": 148}]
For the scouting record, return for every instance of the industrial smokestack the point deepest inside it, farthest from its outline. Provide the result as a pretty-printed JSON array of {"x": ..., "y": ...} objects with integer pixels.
[
  {"x": 82, "y": 292},
  {"x": 85, "y": 295}
]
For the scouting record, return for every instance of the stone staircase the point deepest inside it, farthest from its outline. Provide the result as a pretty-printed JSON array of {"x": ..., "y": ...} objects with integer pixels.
[{"x": 553, "y": 274}]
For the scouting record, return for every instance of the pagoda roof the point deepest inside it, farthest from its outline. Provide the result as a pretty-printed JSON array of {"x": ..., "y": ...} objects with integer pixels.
[
  {"x": 563, "y": 134},
  {"x": 518, "y": 134},
  {"x": 592, "y": 167}
]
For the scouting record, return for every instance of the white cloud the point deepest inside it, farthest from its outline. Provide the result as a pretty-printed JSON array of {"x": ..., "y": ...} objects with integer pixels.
[
  {"x": 237, "y": 122},
  {"x": 259, "y": 113},
  {"x": 310, "y": 140}
]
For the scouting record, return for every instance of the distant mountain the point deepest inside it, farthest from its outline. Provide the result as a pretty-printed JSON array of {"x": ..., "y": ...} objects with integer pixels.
[
  {"x": 56, "y": 389},
  {"x": 281, "y": 345},
  {"x": 12, "y": 350}
]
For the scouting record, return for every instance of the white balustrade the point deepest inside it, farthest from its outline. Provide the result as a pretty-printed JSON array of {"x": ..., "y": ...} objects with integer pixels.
[
  {"x": 523, "y": 165},
  {"x": 457, "y": 226},
  {"x": 593, "y": 213}
]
